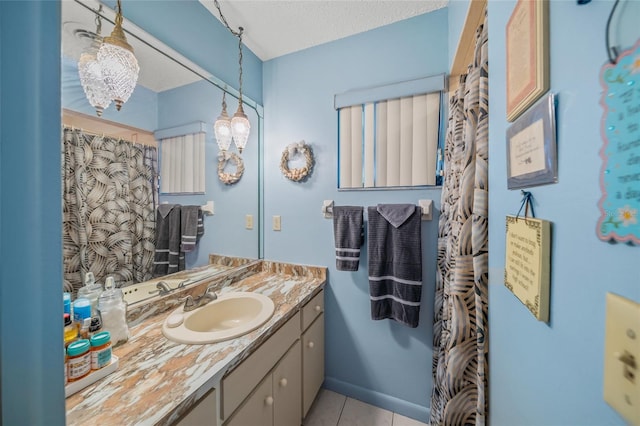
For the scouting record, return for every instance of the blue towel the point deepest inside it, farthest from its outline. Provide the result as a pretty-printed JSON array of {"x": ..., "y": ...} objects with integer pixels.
[{"x": 395, "y": 262}]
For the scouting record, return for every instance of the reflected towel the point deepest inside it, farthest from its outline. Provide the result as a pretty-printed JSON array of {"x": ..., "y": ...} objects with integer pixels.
[
  {"x": 395, "y": 262},
  {"x": 192, "y": 228},
  {"x": 348, "y": 235},
  {"x": 168, "y": 258}
]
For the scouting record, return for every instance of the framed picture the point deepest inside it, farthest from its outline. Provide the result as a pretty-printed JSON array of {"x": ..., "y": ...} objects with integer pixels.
[
  {"x": 531, "y": 147},
  {"x": 527, "y": 37}
]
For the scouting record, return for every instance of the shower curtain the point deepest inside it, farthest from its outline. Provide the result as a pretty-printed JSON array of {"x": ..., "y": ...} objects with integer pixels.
[
  {"x": 109, "y": 199},
  {"x": 460, "y": 371}
]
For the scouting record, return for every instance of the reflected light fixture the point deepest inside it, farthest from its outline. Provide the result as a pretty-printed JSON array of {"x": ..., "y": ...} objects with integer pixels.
[
  {"x": 90, "y": 72},
  {"x": 222, "y": 126},
  {"x": 119, "y": 65},
  {"x": 240, "y": 126}
]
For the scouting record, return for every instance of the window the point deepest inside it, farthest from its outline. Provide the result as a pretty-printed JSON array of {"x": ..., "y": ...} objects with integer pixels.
[
  {"x": 390, "y": 141},
  {"x": 182, "y": 164}
]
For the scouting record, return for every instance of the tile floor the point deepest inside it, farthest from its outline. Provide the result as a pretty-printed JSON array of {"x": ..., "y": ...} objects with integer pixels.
[{"x": 333, "y": 409}]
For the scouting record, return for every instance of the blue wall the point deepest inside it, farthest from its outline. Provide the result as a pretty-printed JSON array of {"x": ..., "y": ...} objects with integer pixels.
[
  {"x": 141, "y": 110},
  {"x": 225, "y": 231},
  {"x": 551, "y": 374},
  {"x": 31, "y": 360},
  {"x": 457, "y": 15},
  {"x": 381, "y": 362}
]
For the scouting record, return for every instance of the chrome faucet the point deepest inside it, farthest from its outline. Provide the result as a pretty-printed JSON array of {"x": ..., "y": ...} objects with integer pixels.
[
  {"x": 162, "y": 288},
  {"x": 208, "y": 296}
]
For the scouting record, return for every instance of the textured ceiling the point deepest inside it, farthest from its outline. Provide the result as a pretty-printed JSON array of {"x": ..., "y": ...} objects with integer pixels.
[{"x": 274, "y": 28}]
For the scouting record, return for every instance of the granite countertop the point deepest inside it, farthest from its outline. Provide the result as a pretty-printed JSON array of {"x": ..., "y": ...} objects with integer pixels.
[{"x": 159, "y": 380}]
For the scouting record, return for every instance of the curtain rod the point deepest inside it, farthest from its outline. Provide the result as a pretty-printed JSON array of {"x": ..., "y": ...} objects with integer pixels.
[
  {"x": 104, "y": 135},
  {"x": 251, "y": 103}
]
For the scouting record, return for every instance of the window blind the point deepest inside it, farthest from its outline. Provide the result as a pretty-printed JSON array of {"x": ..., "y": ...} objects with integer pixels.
[
  {"x": 389, "y": 143},
  {"x": 182, "y": 167}
]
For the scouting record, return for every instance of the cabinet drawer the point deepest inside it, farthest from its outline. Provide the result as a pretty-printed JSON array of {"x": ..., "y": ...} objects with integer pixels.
[
  {"x": 203, "y": 413},
  {"x": 241, "y": 381},
  {"x": 312, "y": 309},
  {"x": 257, "y": 409},
  {"x": 312, "y": 363}
]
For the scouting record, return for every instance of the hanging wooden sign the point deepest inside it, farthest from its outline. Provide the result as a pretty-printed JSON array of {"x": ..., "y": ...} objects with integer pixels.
[
  {"x": 527, "y": 264},
  {"x": 620, "y": 172}
]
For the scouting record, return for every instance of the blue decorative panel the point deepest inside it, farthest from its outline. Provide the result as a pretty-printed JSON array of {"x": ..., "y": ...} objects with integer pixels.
[{"x": 620, "y": 174}]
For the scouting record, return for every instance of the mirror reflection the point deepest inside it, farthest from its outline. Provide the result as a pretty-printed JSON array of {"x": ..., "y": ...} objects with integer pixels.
[{"x": 112, "y": 199}]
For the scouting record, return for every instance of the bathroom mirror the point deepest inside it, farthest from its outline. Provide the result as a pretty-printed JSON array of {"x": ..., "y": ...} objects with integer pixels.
[{"x": 172, "y": 96}]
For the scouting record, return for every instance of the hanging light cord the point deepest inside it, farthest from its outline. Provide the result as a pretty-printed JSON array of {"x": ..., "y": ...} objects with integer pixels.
[
  {"x": 239, "y": 35},
  {"x": 611, "y": 49},
  {"x": 99, "y": 22}
]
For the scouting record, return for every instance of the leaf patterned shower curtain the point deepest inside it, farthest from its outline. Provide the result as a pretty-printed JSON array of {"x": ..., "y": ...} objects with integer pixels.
[
  {"x": 109, "y": 198},
  {"x": 460, "y": 366}
]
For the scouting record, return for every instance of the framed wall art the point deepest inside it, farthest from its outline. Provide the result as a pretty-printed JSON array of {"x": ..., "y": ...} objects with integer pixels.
[
  {"x": 527, "y": 37},
  {"x": 531, "y": 147}
]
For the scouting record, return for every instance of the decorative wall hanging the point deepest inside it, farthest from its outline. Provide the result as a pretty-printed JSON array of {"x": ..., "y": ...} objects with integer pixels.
[
  {"x": 229, "y": 178},
  {"x": 531, "y": 147},
  {"x": 527, "y": 55},
  {"x": 299, "y": 174},
  {"x": 620, "y": 127},
  {"x": 528, "y": 259}
]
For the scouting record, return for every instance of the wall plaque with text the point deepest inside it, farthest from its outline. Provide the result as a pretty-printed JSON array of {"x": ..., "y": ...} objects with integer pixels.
[{"x": 527, "y": 263}]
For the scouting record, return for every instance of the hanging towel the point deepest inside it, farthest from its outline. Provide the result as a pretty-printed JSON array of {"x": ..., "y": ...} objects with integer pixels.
[
  {"x": 395, "y": 262},
  {"x": 348, "y": 235},
  {"x": 168, "y": 257},
  {"x": 192, "y": 228}
]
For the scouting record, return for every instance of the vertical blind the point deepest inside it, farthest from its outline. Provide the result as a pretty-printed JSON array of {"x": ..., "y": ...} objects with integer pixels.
[
  {"x": 389, "y": 143},
  {"x": 182, "y": 164}
]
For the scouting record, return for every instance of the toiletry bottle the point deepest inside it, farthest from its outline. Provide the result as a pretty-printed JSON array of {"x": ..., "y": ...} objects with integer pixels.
[
  {"x": 91, "y": 291},
  {"x": 78, "y": 360},
  {"x": 70, "y": 330},
  {"x": 100, "y": 350},
  {"x": 66, "y": 301},
  {"x": 113, "y": 310},
  {"x": 81, "y": 311}
]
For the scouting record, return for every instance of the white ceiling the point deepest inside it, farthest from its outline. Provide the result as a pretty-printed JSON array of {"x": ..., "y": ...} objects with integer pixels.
[{"x": 276, "y": 27}]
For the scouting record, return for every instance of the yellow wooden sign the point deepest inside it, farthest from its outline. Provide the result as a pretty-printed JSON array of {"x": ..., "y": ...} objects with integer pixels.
[{"x": 527, "y": 263}]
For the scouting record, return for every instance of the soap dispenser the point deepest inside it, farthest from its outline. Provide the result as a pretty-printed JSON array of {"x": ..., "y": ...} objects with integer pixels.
[
  {"x": 113, "y": 310},
  {"x": 91, "y": 291}
]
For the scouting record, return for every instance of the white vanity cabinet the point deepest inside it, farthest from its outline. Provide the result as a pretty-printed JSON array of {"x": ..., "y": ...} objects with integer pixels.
[
  {"x": 312, "y": 327},
  {"x": 277, "y": 383}
]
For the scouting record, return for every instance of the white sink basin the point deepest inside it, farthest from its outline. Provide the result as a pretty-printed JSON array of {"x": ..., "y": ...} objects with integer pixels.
[{"x": 229, "y": 316}]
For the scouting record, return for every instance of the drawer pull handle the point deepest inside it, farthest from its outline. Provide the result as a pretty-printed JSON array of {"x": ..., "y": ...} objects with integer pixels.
[
  {"x": 268, "y": 400},
  {"x": 283, "y": 382},
  {"x": 311, "y": 345},
  {"x": 318, "y": 308}
]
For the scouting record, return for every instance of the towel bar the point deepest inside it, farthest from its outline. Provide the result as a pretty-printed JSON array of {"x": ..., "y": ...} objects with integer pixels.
[{"x": 425, "y": 205}]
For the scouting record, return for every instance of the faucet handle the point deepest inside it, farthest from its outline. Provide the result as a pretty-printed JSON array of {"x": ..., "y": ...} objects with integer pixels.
[
  {"x": 188, "y": 302},
  {"x": 210, "y": 289}
]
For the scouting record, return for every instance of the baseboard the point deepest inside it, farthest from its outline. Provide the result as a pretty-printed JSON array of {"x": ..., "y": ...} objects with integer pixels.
[{"x": 387, "y": 402}]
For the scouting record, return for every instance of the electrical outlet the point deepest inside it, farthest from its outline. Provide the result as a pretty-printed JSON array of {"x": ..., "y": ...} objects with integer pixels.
[
  {"x": 248, "y": 221},
  {"x": 276, "y": 223},
  {"x": 621, "y": 385}
]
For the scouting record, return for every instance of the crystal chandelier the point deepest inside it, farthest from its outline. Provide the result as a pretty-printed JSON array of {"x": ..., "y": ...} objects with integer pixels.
[
  {"x": 91, "y": 74},
  {"x": 119, "y": 65},
  {"x": 240, "y": 126},
  {"x": 222, "y": 127}
]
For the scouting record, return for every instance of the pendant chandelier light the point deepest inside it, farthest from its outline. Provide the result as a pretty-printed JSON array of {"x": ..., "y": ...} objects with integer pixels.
[
  {"x": 90, "y": 72},
  {"x": 119, "y": 65},
  {"x": 240, "y": 126},
  {"x": 222, "y": 127}
]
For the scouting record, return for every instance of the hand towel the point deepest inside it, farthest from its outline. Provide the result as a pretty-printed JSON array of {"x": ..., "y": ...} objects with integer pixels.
[
  {"x": 395, "y": 262},
  {"x": 192, "y": 228},
  {"x": 347, "y": 232},
  {"x": 168, "y": 257}
]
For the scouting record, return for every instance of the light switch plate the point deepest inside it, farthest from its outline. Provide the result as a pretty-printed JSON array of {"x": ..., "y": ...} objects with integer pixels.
[
  {"x": 276, "y": 223},
  {"x": 248, "y": 221},
  {"x": 622, "y": 357}
]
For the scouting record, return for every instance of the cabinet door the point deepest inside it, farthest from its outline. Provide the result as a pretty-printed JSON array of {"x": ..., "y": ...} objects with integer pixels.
[
  {"x": 287, "y": 387},
  {"x": 312, "y": 362},
  {"x": 257, "y": 409},
  {"x": 204, "y": 412}
]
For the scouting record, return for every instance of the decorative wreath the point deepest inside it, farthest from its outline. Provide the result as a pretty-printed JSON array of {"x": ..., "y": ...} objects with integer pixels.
[
  {"x": 301, "y": 174},
  {"x": 230, "y": 178}
]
